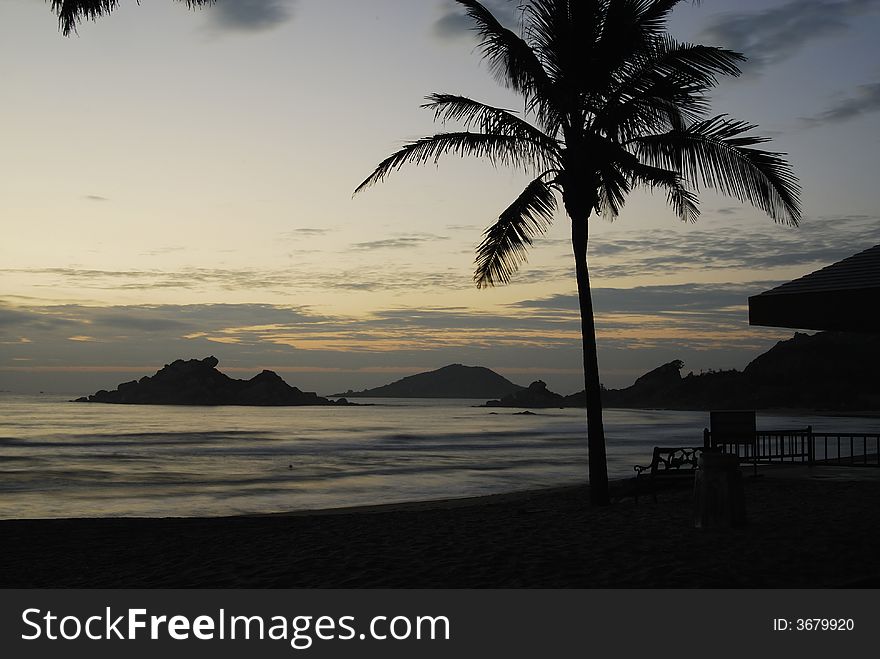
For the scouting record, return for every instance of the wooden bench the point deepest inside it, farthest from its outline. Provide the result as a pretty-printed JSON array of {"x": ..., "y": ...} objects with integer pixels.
[{"x": 668, "y": 462}]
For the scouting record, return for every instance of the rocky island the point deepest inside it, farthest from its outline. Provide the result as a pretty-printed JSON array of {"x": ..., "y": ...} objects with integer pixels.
[
  {"x": 535, "y": 395},
  {"x": 452, "y": 381},
  {"x": 198, "y": 382}
]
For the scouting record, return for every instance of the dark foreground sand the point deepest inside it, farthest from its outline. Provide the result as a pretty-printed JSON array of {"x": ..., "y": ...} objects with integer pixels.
[{"x": 802, "y": 532}]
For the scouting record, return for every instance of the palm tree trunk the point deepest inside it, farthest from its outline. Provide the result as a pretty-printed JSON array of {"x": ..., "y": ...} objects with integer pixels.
[{"x": 598, "y": 468}]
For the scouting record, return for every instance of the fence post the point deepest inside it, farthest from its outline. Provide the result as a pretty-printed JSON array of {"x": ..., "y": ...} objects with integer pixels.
[{"x": 811, "y": 449}]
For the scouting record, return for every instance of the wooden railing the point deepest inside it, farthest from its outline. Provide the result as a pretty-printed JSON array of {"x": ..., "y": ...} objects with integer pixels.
[
  {"x": 802, "y": 445},
  {"x": 856, "y": 449}
]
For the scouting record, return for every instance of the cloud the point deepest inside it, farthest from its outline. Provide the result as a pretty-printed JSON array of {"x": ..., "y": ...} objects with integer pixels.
[
  {"x": 638, "y": 328},
  {"x": 865, "y": 101},
  {"x": 710, "y": 246},
  {"x": 777, "y": 33},
  {"x": 94, "y": 197},
  {"x": 730, "y": 210},
  {"x": 385, "y": 277},
  {"x": 249, "y": 15},
  {"x": 723, "y": 245},
  {"x": 83, "y": 339},
  {"x": 15, "y": 319},
  {"x": 454, "y": 22},
  {"x": 706, "y": 325},
  {"x": 167, "y": 321},
  {"x": 188, "y": 278},
  {"x": 669, "y": 299},
  {"x": 305, "y": 232},
  {"x": 140, "y": 329},
  {"x": 818, "y": 242},
  {"x": 144, "y": 321},
  {"x": 160, "y": 251},
  {"x": 399, "y": 242}
]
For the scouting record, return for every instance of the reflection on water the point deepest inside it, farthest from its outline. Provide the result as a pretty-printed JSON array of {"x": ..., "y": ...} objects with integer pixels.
[{"x": 60, "y": 459}]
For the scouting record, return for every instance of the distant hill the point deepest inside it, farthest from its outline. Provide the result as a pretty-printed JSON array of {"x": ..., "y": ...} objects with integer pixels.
[
  {"x": 828, "y": 371},
  {"x": 198, "y": 382},
  {"x": 453, "y": 381}
]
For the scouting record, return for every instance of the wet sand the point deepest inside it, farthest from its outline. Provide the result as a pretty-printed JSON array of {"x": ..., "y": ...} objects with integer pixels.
[{"x": 818, "y": 531}]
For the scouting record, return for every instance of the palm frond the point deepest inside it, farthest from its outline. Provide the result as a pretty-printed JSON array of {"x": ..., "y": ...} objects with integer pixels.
[
  {"x": 498, "y": 149},
  {"x": 684, "y": 202},
  {"x": 693, "y": 63},
  {"x": 488, "y": 119},
  {"x": 684, "y": 63},
  {"x": 514, "y": 64},
  {"x": 505, "y": 243},
  {"x": 660, "y": 108},
  {"x": 510, "y": 58},
  {"x": 614, "y": 186},
  {"x": 653, "y": 18},
  {"x": 627, "y": 27},
  {"x": 717, "y": 154},
  {"x": 562, "y": 34},
  {"x": 72, "y": 12},
  {"x": 629, "y": 31},
  {"x": 664, "y": 85}
]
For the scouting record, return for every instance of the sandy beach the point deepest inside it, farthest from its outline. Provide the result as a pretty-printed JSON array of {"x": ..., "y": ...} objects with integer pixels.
[{"x": 816, "y": 530}]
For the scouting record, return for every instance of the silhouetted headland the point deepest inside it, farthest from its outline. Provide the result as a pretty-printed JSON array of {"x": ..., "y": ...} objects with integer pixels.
[
  {"x": 825, "y": 372},
  {"x": 453, "y": 381},
  {"x": 198, "y": 382}
]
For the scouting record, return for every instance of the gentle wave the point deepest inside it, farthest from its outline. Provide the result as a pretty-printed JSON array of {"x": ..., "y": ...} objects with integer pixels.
[{"x": 59, "y": 459}]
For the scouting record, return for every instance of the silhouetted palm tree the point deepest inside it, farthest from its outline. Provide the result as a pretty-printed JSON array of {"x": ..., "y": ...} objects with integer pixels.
[
  {"x": 615, "y": 103},
  {"x": 71, "y": 12}
]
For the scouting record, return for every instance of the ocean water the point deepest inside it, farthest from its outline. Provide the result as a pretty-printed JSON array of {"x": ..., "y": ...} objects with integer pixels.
[{"x": 62, "y": 459}]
